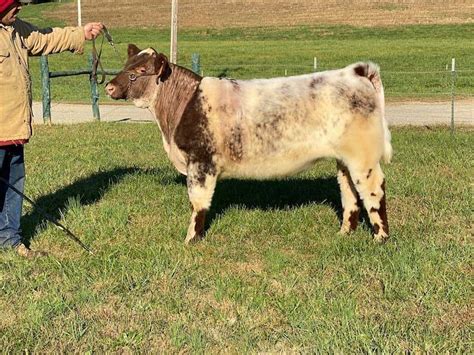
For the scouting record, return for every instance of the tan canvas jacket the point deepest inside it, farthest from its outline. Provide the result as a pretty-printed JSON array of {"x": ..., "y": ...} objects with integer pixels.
[{"x": 17, "y": 42}]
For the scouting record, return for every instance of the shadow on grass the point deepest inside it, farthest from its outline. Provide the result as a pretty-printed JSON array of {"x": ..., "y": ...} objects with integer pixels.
[
  {"x": 90, "y": 189},
  {"x": 273, "y": 194},
  {"x": 251, "y": 194}
]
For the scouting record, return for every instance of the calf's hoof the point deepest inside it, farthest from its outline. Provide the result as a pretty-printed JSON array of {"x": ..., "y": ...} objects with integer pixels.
[
  {"x": 193, "y": 239},
  {"x": 345, "y": 230},
  {"x": 381, "y": 238}
]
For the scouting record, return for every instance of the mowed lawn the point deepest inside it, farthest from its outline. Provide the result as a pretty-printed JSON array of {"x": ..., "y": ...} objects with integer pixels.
[{"x": 272, "y": 274}]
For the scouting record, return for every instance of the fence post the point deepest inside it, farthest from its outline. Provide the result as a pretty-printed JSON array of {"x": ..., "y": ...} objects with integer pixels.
[
  {"x": 94, "y": 92},
  {"x": 174, "y": 32},
  {"x": 315, "y": 64},
  {"x": 196, "y": 63},
  {"x": 46, "y": 89},
  {"x": 453, "y": 87}
]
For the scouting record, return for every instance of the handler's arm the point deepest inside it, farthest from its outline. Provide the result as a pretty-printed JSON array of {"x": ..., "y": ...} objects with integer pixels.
[{"x": 55, "y": 40}]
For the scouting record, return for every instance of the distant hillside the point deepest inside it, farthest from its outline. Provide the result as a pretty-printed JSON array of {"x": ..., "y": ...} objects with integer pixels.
[{"x": 272, "y": 13}]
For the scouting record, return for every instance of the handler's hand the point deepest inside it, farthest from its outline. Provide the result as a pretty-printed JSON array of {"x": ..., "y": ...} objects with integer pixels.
[{"x": 92, "y": 30}]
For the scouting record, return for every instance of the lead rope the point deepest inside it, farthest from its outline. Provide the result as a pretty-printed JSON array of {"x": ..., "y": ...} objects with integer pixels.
[
  {"x": 96, "y": 62},
  {"x": 109, "y": 38},
  {"x": 48, "y": 216}
]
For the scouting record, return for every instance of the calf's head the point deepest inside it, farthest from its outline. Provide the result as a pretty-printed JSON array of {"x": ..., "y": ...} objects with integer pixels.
[{"x": 144, "y": 68}]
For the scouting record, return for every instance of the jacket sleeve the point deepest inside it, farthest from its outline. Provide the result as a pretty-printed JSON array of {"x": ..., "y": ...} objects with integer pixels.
[{"x": 50, "y": 40}]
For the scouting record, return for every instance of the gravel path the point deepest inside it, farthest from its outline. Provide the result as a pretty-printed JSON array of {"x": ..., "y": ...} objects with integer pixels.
[{"x": 398, "y": 114}]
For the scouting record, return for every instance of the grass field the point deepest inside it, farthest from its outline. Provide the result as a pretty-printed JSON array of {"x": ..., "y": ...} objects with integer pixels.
[
  {"x": 414, "y": 58},
  {"x": 271, "y": 13},
  {"x": 272, "y": 274}
]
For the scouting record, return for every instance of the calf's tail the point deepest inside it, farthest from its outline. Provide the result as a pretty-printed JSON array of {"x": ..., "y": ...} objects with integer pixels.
[
  {"x": 387, "y": 148},
  {"x": 372, "y": 72}
]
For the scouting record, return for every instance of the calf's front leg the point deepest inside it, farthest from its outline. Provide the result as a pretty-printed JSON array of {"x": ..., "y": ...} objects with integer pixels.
[{"x": 201, "y": 184}]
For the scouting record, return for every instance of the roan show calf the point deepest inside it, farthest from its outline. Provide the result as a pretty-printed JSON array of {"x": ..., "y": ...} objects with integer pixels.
[{"x": 217, "y": 128}]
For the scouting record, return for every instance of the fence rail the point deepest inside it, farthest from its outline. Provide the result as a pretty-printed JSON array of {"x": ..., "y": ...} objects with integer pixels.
[{"x": 47, "y": 75}]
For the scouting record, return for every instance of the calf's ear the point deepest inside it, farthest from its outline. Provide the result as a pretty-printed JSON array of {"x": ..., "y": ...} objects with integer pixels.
[
  {"x": 132, "y": 50},
  {"x": 162, "y": 67}
]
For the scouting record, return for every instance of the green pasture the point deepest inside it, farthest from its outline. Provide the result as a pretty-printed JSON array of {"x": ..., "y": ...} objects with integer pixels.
[
  {"x": 415, "y": 60},
  {"x": 272, "y": 275}
]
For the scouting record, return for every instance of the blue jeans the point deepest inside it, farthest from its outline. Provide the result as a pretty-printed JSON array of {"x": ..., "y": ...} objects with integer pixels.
[{"x": 12, "y": 169}]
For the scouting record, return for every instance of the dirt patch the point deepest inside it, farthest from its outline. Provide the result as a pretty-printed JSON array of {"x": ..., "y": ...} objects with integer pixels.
[{"x": 272, "y": 13}]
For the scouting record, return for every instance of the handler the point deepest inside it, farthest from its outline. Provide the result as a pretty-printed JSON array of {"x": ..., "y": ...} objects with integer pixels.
[{"x": 18, "y": 40}]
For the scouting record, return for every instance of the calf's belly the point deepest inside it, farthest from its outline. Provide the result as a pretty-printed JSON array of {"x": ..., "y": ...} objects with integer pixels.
[{"x": 274, "y": 166}]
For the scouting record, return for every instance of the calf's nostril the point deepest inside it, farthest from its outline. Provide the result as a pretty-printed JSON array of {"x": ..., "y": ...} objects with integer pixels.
[{"x": 110, "y": 89}]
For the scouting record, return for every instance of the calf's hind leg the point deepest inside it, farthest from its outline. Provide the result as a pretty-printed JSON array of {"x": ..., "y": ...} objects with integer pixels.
[
  {"x": 201, "y": 186},
  {"x": 370, "y": 184},
  {"x": 349, "y": 199}
]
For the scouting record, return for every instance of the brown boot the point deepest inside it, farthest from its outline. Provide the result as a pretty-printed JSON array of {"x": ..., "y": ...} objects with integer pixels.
[{"x": 25, "y": 252}]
